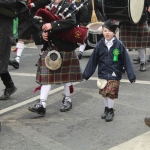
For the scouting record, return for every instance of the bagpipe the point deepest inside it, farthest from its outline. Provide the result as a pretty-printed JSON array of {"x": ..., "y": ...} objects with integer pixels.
[{"x": 76, "y": 35}]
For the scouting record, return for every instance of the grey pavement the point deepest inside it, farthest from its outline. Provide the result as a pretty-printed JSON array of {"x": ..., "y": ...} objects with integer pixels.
[{"x": 81, "y": 128}]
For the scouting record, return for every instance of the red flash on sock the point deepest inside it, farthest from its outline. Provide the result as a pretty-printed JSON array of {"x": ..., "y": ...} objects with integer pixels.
[
  {"x": 15, "y": 50},
  {"x": 71, "y": 89},
  {"x": 38, "y": 88}
]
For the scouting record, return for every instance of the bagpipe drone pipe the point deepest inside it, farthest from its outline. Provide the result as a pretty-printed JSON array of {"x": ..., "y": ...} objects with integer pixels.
[{"x": 77, "y": 34}]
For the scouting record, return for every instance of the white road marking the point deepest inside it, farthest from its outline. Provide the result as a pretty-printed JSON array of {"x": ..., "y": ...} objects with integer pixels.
[
  {"x": 92, "y": 78},
  {"x": 140, "y": 142}
]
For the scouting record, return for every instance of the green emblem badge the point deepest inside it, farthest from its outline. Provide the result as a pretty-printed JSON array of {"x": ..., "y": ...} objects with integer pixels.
[{"x": 116, "y": 52}]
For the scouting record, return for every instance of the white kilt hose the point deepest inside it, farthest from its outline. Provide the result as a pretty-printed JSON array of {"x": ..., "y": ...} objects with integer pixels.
[{"x": 69, "y": 71}]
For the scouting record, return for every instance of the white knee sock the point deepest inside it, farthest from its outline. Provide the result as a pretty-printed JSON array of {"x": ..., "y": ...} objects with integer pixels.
[
  {"x": 82, "y": 47},
  {"x": 105, "y": 101},
  {"x": 39, "y": 47},
  {"x": 142, "y": 55},
  {"x": 67, "y": 91},
  {"x": 44, "y": 94},
  {"x": 110, "y": 102},
  {"x": 20, "y": 48}
]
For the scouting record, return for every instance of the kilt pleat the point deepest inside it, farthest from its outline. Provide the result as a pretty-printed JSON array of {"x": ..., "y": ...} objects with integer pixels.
[
  {"x": 69, "y": 71},
  {"x": 111, "y": 90},
  {"x": 135, "y": 36}
]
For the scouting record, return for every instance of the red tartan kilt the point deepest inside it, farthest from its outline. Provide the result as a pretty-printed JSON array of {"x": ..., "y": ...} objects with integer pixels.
[
  {"x": 134, "y": 36},
  {"x": 76, "y": 35},
  {"x": 69, "y": 71},
  {"x": 111, "y": 89}
]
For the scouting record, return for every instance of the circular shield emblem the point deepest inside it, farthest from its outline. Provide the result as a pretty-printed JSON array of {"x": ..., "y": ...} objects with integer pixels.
[{"x": 53, "y": 60}]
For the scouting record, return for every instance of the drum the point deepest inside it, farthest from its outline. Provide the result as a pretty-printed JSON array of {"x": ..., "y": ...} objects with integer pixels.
[
  {"x": 93, "y": 36},
  {"x": 123, "y": 10}
]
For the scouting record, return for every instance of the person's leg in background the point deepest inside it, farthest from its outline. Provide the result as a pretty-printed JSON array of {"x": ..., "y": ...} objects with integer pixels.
[
  {"x": 81, "y": 50},
  {"x": 19, "y": 50},
  {"x": 10, "y": 87},
  {"x": 142, "y": 56}
]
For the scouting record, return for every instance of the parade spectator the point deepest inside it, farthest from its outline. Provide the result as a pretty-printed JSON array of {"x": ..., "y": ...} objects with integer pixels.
[
  {"x": 137, "y": 36},
  {"x": 27, "y": 27},
  {"x": 110, "y": 55},
  {"x": 68, "y": 72}
]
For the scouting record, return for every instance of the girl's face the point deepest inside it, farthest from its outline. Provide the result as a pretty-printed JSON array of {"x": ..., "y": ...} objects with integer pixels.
[{"x": 108, "y": 34}]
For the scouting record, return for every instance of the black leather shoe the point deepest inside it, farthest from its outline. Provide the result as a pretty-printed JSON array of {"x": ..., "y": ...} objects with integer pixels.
[
  {"x": 103, "y": 116},
  {"x": 123, "y": 70},
  {"x": 7, "y": 93},
  {"x": 147, "y": 121},
  {"x": 110, "y": 115},
  {"x": 143, "y": 67},
  {"x": 80, "y": 55},
  {"x": 66, "y": 107},
  {"x": 14, "y": 63},
  {"x": 38, "y": 108}
]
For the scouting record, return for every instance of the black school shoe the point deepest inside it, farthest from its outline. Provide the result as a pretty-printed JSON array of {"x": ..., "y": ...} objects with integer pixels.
[
  {"x": 8, "y": 92},
  {"x": 110, "y": 115},
  {"x": 103, "y": 116},
  {"x": 38, "y": 108},
  {"x": 14, "y": 63},
  {"x": 143, "y": 67},
  {"x": 66, "y": 107},
  {"x": 80, "y": 55}
]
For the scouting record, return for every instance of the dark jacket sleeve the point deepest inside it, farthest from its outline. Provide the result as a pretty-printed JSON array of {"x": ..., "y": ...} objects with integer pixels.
[
  {"x": 127, "y": 64},
  {"x": 92, "y": 63},
  {"x": 41, "y": 3},
  {"x": 147, "y": 3},
  {"x": 8, "y": 3},
  {"x": 64, "y": 24}
]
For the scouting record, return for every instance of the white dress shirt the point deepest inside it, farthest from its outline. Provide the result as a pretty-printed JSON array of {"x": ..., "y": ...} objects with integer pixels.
[{"x": 109, "y": 43}]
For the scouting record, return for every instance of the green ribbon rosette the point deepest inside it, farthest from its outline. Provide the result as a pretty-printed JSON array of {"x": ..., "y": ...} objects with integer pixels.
[{"x": 116, "y": 52}]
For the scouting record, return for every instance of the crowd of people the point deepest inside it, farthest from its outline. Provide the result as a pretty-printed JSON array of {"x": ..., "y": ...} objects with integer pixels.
[{"x": 109, "y": 52}]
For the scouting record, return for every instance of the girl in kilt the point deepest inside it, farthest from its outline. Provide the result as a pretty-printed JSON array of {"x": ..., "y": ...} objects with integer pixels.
[
  {"x": 110, "y": 56},
  {"x": 137, "y": 36},
  {"x": 68, "y": 72}
]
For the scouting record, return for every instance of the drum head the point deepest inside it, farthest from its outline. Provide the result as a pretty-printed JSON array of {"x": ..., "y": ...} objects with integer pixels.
[
  {"x": 136, "y": 10},
  {"x": 93, "y": 35},
  {"x": 94, "y": 26}
]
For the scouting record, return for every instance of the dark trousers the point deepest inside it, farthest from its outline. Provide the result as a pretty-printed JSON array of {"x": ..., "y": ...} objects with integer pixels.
[{"x": 7, "y": 81}]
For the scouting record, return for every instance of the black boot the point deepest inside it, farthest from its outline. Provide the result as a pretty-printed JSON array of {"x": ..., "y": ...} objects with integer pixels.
[
  {"x": 80, "y": 55},
  {"x": 103, "y": 116},
  {"x": 143, "y": 67},
  {"x": 38, "y": 108},
  {"x": 110, "y": 115},
  {"x": 14, "y": 63},
  {"x": 8, "y": 92},
  {"x": 66, "y": 106}
]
